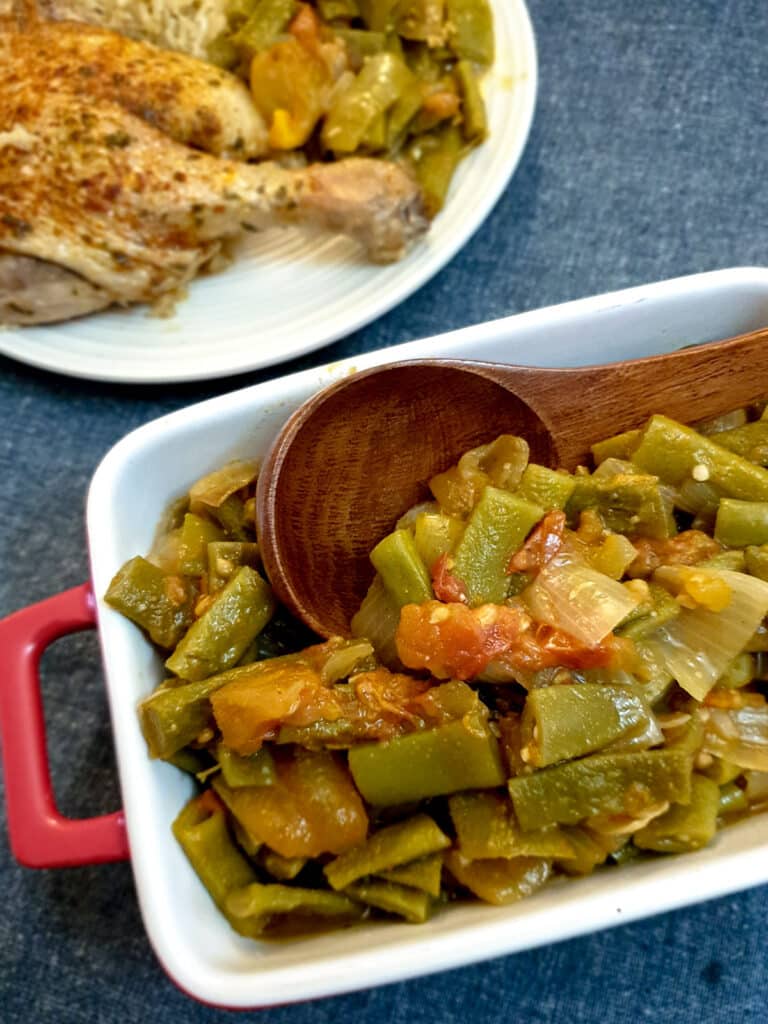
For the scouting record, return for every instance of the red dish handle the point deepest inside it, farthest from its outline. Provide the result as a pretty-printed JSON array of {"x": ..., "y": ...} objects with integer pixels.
[{"x": 40, "y": 836}]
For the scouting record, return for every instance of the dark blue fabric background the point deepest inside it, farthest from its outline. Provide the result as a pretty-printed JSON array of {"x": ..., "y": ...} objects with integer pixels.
[{"x": 648, "y": 159}]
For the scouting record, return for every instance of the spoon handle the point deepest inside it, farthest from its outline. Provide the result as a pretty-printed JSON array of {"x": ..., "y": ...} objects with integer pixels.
[{"x": 584, "y": 404}]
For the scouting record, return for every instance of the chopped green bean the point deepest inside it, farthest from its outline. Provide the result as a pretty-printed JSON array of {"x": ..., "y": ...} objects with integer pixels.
[
  {"x": 471, "y": 35},
  {"x": 232, "y": 516},
  {"x": 600, "y": 784},
  {"x": 749, "y": 440},
  {"x": 486, "y": 830},
  {"x": 219, "y": 637},
  {"x": 587, "y": 853},
  {"x": 734, "y": 560},
  {"x": 255, "y": 908},
  {"x": 226, "y": 557},
  {"x": 563, "y": 722},
  {"x": 410, "y": 904},
  {"x": 447, "y": 759},
  {"x": 401, "y": 569},
  {"x": 424, "y": 873},
  {"x": 201, "y": 830},
  {"x": 222, "y": 52},
  {"x": 361, "y": 43},
  {"x": 195, "y": 534},
  {"x": 435, "y": 156},
  {"x": 741, "y": 523},
  {"x": 435, "y": 534},
  {"x": 740, "y": 672},
  {"x": 672, "y": 451},
  {"x": 162, "y": 605},
  {"x": 756, "y": 561},
  {"x": 547, "y": 488},
  {"x": 420, "y": 20},
  {"x": 330, "y": 10},
  {"x": 254, "y": 770},
  {"x": 174, "y": 716},
  {"x": 684, "y": 827},
  {"x": 628, "y": 503},
  {"x": 193, "y": 762},
  {"x": 263, "y": 27},
  {"x": 496, "y": 529},
  {"x": 474, "y": 125},
  {"x": 388, "y": 848},
  {"x": 381, "y": 81},
  {"x": 733, "y": 799},
  {"x": 620, "y": 446}
]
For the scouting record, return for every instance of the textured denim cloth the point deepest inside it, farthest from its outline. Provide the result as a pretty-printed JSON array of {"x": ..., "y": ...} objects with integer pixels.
[{"x": 648, "y": 159}]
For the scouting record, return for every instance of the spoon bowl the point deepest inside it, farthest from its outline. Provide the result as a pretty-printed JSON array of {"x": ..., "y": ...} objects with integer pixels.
[{"x": 358, "y": 454}]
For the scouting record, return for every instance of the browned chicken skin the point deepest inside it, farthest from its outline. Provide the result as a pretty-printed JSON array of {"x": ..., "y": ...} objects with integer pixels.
[
  {"x": 190, "y": 101},
  {"x": 98, "y": 177}
]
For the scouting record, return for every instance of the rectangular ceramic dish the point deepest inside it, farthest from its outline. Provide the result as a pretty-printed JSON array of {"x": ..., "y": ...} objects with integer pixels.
[{"x": 130, "y": 490}]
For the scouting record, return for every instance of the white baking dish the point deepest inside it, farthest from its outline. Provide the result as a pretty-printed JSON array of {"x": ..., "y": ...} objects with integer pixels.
[{"x": 155, "y": 464}]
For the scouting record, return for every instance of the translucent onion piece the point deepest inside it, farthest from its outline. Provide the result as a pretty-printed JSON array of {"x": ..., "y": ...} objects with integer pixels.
[
  {"x": 698, "y": 645},
  {"x": 216, "y": 487},
  {"x": 739, "y": 735},
  {"x": 579, "y": 600},
  {"x": 376, "y": 620}
]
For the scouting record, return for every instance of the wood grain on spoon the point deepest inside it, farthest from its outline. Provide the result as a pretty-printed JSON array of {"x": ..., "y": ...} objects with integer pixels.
[{"x": 357, "y": 455}]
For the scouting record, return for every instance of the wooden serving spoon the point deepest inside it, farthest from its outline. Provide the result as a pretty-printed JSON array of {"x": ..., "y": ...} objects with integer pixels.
[{"x": 358, "y": 454}]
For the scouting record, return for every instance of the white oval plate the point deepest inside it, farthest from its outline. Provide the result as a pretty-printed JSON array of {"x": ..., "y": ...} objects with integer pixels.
[{"x": 286, "y": 295}]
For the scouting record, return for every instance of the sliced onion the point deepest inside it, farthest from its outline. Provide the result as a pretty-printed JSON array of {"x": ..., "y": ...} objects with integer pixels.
[
  {"x": 572, "y": 596},
  {"x": 376, "y": 620},
  {"x": 216, "y": 487},
  {"x": 739, "y": 735},
  {"x": 698, "y": 645}
]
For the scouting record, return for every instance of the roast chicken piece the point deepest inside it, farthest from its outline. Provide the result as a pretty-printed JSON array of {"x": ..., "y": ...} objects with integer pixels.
[
  {"x": 38, "y": 292},
  {"x": 104, "y": 201},
  {"x": 193, "y": 102}
]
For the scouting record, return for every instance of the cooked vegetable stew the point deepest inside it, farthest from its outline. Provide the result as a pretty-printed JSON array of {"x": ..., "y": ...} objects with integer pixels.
[
  {"x": 551, "y": 673},
  {"x": 398, "y": 79}
]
